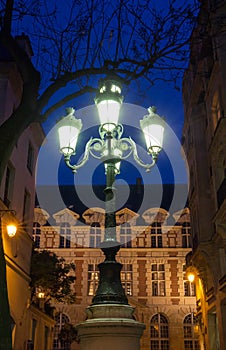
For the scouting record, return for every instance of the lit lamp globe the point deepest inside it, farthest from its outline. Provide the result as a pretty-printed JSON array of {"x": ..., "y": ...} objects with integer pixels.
[
  {"x": 153, "y": 127},
  {"x": 108, "y": 101},
  {"x": 41, "y": 295},
  {"x": 11, "y": 230},
  {"x": 69, "y": 128},
  {"x": 191, "y": 277}
]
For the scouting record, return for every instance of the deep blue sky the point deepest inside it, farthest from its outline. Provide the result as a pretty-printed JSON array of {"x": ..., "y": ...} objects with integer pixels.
[{"x": 170, "y": 167}]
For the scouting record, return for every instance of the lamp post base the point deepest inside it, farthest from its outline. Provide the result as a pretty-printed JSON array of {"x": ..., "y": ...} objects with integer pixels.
[
  {"x": 110, "y": 290},
  {"x": 111, "y": 327}
]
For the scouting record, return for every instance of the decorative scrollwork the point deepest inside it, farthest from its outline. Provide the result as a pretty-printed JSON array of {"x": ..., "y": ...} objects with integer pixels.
[{"x": 110, "y": 146}]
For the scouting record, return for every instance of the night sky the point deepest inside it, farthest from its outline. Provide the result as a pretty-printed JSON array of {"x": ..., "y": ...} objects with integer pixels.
[{"x": 170, "y": 168}]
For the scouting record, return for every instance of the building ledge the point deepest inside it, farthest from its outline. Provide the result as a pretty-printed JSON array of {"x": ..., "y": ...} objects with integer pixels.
[
  {"x": 210, "y": 296},
  {"x": 222, "y": 284},
  {"x": 220, "y": 216}
]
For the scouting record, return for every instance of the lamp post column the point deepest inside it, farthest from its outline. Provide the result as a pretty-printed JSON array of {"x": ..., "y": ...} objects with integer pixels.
[
  {"x": 110, "y": 289},
  {"x": 110, "y": 219},
  {"x": 110, "y": 322},
  {"x": 5, "y": 322}
]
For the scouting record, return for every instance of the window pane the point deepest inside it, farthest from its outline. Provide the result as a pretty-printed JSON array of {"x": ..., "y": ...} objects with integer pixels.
[
  {"x": 164, "y": 331},
  {"x": 162, "y": 288},
  {"x": 154, "y": 331},
  {"x": 153, "y": 241},
  {"x": 164, "y": 345},
  {"x": 155, "y": 345},
  {"x": 127, "y": 278},
  {"x": 95, "y": 235},
  {"x": 161, "y": 267},
  {"x": 160, "y": 241},
  {"x": 61, "y": 319},
  {"x": 65, "y": 235},
  {"x": 93, "y": 279},
  {"x": 154, "y": 267},
  {"x": 158, "y": 278},
  {"x": 125, "y": 235},
  {"x": 154, "y": 288}
]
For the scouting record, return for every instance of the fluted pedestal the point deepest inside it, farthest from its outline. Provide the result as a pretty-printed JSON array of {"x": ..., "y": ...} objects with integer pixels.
[{"x": 110, "y": 327}]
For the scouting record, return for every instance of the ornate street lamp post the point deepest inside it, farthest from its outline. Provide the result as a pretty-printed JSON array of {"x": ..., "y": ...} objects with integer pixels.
[
  {"x": 5, "y": 319},
  {"x": 110, "y": 148}
]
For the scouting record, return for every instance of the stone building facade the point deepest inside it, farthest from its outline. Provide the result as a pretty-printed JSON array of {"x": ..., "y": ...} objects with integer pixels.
[
  {"x": 153, "y": 256},
  {"x": 204, "y": 141},
  {"x": 17, "y": 192}
]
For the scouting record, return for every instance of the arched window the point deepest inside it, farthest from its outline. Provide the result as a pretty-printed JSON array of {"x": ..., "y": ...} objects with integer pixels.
[
  {"x": 125, "y": 235},
  {"x": 159, "y": 333},
  {"x": 36, "y": 234},
  {"x": 95, "y": 235},
  {"x": 191, "y": 333},
  {"x": 156, "y": 235},
  {"x": 61, "y": 319},
  {"x": 65, "y": 235}
]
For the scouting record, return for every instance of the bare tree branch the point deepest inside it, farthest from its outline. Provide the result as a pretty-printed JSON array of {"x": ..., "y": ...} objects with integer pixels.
[{"x": 76, "y": 42}]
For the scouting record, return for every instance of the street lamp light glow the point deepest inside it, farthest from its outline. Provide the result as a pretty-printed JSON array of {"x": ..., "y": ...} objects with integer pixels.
[
  {"x": 68, "y": 130},
  {"x": 191, "y": 277},
  {"x": 11, "y": 230},
  {"x": 108, "y": 101},
  {"x": 152, "y": 126}
]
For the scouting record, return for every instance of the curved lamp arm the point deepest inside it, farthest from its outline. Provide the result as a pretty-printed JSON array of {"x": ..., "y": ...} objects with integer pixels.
[
  {"x": 138, "y": 160},
  {"x": 93, "y": 144}
]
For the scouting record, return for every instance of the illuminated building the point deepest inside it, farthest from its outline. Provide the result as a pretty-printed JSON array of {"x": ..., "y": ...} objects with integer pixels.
[
  {"x": 17, "y": 193},
  {"x": 153, "y": 252},
  {"x": 204, "y": 141}
]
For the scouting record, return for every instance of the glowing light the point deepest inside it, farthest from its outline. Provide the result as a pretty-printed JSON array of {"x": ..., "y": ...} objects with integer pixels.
[
  {"x": 191, "y": 277},
  {"x": 41, "y": 295},
  {"x": 68, "y": 130},
  {"x": 153, "y": 129},
  {"x": 11, "y": 230}
]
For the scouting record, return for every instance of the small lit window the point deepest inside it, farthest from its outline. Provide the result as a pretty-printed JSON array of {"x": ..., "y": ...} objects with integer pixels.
[
  {"x": 186, "y": 234},
  {"x": 156, "y": 235},
  {"x": 36, "y": 234},
  {"x": 65, "y": 235},
  {"x": 125, "y": 235},
  {"x": 95, "y": 235},
  {"x": 127, "y": 278},
  {"x": 189, "y": 287},
  {"x": 93, "y": 279},
  {"x": 158, "y": 279}
]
